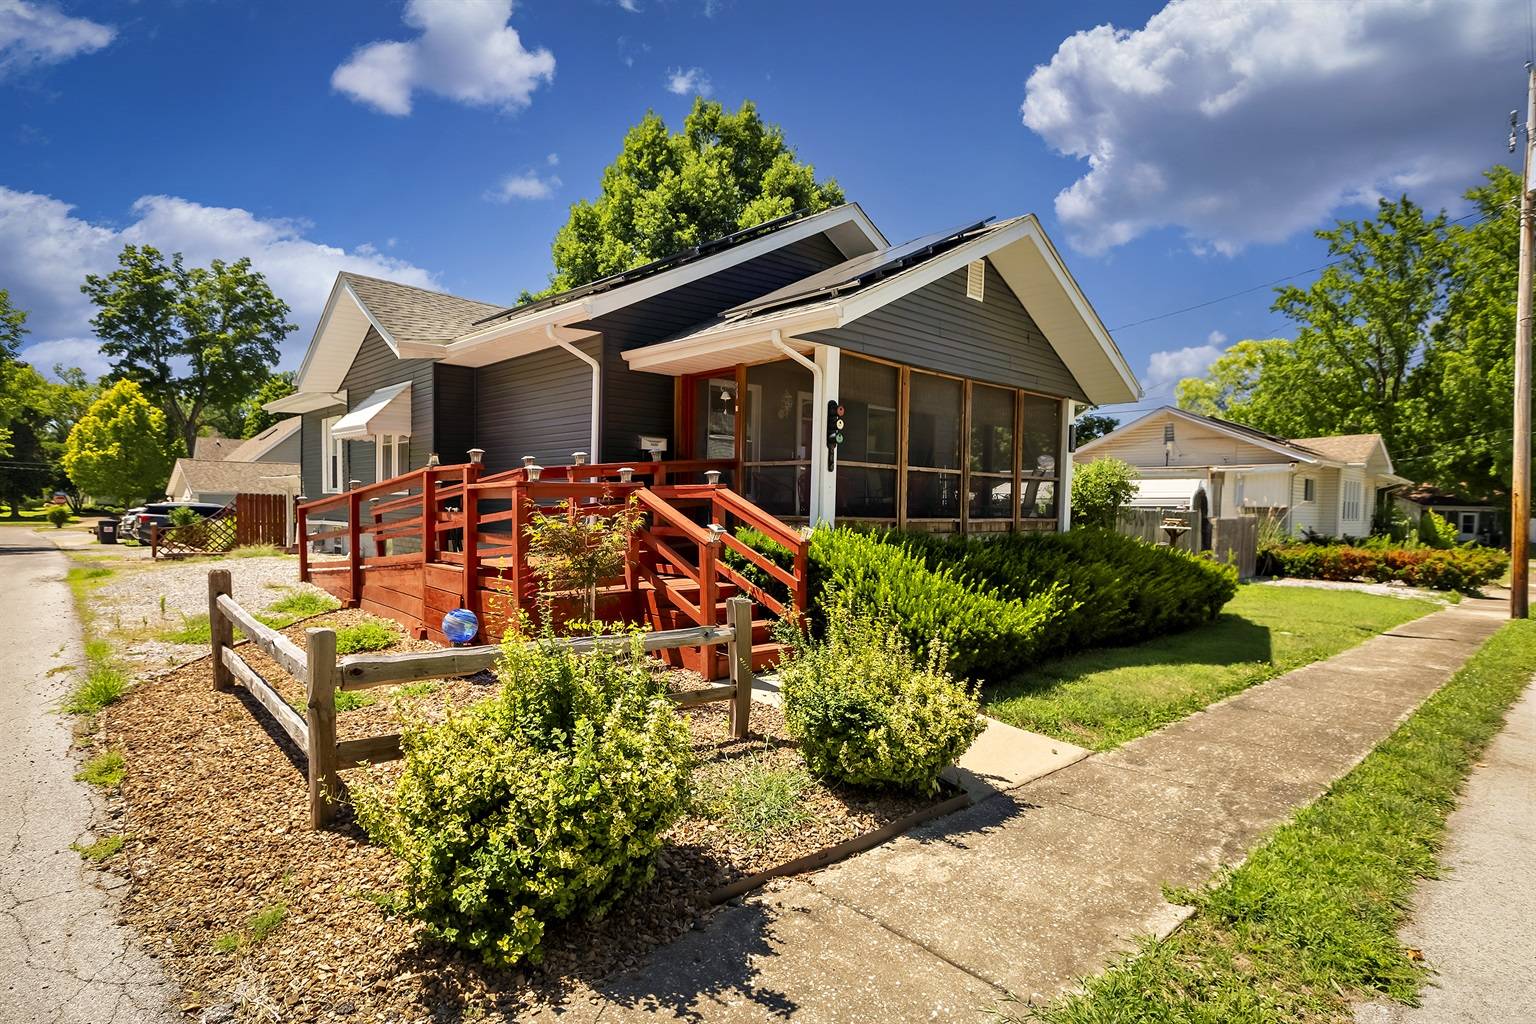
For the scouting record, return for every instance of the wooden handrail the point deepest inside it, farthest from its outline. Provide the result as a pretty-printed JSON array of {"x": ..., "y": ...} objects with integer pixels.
[
  {"x": 664, "y": 509},
  {"x": 759, "y": 520}
]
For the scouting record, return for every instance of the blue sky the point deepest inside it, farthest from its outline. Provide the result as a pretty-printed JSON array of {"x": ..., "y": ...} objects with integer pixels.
[{"x": 1220, "y": 135}]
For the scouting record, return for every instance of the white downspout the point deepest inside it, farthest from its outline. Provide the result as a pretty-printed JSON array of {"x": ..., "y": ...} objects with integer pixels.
[
  {"x": 818, "y": 420},
  {"x": 597, "y": 384}
]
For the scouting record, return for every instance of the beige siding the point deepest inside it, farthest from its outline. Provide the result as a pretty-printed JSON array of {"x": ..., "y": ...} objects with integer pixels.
[
  {"x": 1307, "y": 515},
  {"x": 1360, "y": 524},
  {"x": 1194, "y": 445}
]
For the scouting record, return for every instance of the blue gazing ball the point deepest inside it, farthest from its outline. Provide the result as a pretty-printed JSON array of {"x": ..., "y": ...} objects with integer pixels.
[{"x": 460, "y": 626}]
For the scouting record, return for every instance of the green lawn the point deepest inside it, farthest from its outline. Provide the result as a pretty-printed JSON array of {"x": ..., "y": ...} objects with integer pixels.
[
  {"x": 1102, "y": 698},
  {"x": 1308, "y": 925}
]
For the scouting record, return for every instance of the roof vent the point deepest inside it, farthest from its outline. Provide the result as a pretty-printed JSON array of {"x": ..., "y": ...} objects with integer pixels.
[{"x": 975, "y": 279}]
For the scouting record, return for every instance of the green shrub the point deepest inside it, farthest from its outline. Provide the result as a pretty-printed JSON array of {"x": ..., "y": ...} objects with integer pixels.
[
  {"x": 369, "y": 635},
  {"x": 301, "y": 604},
  {"x": 58, "y": 515},
  {"x": 1100, "y": 489},
  {"x": 103, "y": 683},
  {"x": 546, "y": 801},
  {"x": 106, "y": 769},
  {"x": 181, "y": 515},
  {"x": 1121, "y": 590},
  {"x": 867, "y": 711},
  {"x": 1436, "y": 531},
  {"x": 1462, "y": 569},
  {"x": 986, "y": 634}
]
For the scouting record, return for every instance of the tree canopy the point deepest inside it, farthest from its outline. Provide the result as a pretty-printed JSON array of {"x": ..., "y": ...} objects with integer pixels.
[
  {"x": 195, "y": 339},
  {"x": 117, "y": 449},
  {"x": 668, "y": 190},
  {"x": 1408, "y": 333}
]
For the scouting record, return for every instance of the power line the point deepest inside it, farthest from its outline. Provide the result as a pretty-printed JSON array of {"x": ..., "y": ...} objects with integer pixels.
[{"x": 1260, "y": 287}]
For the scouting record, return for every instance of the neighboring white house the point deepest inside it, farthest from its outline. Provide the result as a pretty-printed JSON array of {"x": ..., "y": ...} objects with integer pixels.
[
  {"x": 1328, "y": 485},
  {"x": 1473, "y": 520}
]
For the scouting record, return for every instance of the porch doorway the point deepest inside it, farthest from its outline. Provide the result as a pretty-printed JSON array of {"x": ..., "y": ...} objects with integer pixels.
[{"x": 761, "y": 415}]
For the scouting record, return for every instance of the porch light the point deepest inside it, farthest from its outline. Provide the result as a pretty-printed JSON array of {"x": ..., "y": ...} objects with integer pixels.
[
  {"x": 476, "y": 455},
  {"x": 534, "y": 471},
  {"x": 713, "y": 476},
  {"x": 716, "y": 530},
  {"x": 626, "y": 475},
  {"x": 353, "y": 485},
  {"x": 433, "y": 460},
  {"x": 579, "y": 458},
  {"x": 529, "y": 460}
]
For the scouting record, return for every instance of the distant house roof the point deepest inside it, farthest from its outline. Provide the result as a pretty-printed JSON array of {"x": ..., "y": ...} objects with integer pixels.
[
  {"x": 254, "y": 448},
  {"x": 214, "y": 448},
  {"x": 217, "y": 477},
  {"x": 1433, "y": 497}
]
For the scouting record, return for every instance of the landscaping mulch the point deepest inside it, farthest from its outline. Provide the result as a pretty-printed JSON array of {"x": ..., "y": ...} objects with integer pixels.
[{"x": 214, "y": 808}]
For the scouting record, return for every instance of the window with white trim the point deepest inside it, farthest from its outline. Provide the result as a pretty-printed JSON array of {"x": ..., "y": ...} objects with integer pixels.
[
  {"x": 1349, "y": 509},
  {"x": 333, "y": 457},
  {"x": 391, "y": 455},
  {"x": 1308, "y": 489}
]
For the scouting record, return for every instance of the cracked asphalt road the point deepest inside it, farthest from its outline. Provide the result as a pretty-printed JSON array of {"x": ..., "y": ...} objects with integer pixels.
[{"x": 64, "y": 959}]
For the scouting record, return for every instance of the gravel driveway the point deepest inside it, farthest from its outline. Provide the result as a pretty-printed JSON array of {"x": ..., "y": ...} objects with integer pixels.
[{"x": 142, "y": 600}]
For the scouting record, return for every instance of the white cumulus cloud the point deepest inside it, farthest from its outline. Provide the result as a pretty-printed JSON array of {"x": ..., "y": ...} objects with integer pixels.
[
  {"x": 46, "y": 251},
  {"x": 1242, "y": 123},
  {"x": 32, "y": 34},
  {"x": 1173, "y": 365},
  {"x": 687, "y": 81},
  {"x": 524, "y": 186},
  {"x": 466, "y": 52}
]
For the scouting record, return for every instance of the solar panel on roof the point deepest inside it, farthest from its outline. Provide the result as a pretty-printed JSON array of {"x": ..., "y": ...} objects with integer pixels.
[
  {"x": 603, "y": 284},
  {"x": 858, "y": 269}
]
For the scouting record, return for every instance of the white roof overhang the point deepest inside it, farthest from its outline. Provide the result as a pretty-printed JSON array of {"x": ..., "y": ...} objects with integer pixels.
[
  {"x": 306, "y": 401},
  {"x": 386, "y": 411}
]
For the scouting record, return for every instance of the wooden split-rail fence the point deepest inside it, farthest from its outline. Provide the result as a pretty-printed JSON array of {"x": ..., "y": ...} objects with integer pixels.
[{"x": 323, "y": 675}]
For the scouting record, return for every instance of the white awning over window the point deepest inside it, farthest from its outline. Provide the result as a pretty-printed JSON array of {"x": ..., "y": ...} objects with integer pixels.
[
  {"x": 386, "y": 411},
  {"x": 1166, "y": 492}
]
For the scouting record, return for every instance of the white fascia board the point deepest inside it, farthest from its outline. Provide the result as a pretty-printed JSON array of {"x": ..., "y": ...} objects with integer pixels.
[
  {"x": 728, "y": 336},
  {"x": 306, "y": 401},
  {"x": 534, "y": 324}
]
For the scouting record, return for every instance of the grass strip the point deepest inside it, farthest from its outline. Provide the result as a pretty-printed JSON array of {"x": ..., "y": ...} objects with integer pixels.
[
  {"x": 1308, "y": 925},
  {"x": 1102, "y": 698}
]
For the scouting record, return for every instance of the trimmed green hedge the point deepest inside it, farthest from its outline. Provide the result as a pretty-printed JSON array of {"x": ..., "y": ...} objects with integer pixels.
[
  {"x": 1463, "y": 569},
  {"x": 1003, "y": 603},
  {"x": 1121, "y": 590}
]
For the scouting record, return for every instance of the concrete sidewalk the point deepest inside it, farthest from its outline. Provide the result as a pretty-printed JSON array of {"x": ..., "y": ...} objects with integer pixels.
[
  {"x": 1040, "y": 885},
  {"x": 1476, "y": 925}
]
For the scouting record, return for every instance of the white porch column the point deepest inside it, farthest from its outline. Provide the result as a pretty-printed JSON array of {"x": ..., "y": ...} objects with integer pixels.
[
  {"x": 823, "y": 481},
  {"x": 1064, "y": 469}
]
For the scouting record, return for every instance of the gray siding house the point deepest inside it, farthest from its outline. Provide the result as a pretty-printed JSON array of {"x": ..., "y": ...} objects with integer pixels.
[{"x": 927, "y": 385}]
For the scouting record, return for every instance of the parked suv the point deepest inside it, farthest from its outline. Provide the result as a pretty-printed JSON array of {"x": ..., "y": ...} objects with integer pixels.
[
  {"x": 128, "y": 526},
  {"x": 159, "y": 514}
]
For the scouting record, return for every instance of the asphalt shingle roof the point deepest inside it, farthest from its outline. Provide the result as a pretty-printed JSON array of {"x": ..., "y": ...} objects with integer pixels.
[
  {"x": 1343, "y": 447},
  {"x": 220, "y": 477},
  {"x": 412, "y": 314}
]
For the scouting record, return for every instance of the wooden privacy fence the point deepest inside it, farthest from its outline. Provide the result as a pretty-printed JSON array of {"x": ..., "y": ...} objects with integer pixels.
[
  {"x": 1236, "y": 541},
  {"x": 262, "y": 519},
  {"x": 1150, "y": 525},
  {"x": 323, "y": 674}
]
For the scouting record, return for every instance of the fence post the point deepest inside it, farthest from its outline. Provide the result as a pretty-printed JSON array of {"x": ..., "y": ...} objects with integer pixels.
[
  {"x": 469, "y": 595},
  {"x": 738, "y": 614},
  {"x": 355, "y": 547},
  {"x": 320, "y": 683},
  {"x": 301, "y": 539},
  {"x": 429, "y": 515},
  {"x": 221, "y": 631}
]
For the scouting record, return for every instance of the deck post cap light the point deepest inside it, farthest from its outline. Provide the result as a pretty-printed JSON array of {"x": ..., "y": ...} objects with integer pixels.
[
  {"x": 529, "y": 460},
  {"x": 433, "y": 460},
  {"x": 580, "y": 458},
  {"x": 476, "y": 455},
  {"x": 713, "y": 476},
  {"x": 460, "y": 626},
  {"x": 627, "y": 474},
  {"x": 534, "y": 471}
]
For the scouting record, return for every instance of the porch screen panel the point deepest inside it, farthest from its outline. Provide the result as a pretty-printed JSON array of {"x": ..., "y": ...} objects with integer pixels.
[
  {"x": 934, "y": 439},
  {"x": 992, "y": 452},
  {"x": 1042, "y": 456},
  {"x": 866, "y": 460},
  {"x": 779, "y": 407}
]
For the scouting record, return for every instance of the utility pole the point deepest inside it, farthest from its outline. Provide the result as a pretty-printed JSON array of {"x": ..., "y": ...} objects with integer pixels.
[{"x": 1520, "y": 484}]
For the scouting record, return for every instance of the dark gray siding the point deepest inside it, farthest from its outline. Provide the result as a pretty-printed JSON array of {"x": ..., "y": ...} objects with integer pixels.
[
  {"x": 938, "y": 328},
  {"x": 288, "y": 451},
  {"x": 376, "y": 366},
  {"x": 309, "y": 450},
  {"x": 641, "y": 403},
  {"x": 539, "y": 405},
  {"x": 454, "y": 402}
]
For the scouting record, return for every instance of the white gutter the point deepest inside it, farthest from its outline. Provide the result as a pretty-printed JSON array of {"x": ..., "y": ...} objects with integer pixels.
[
  {"x": 777, "y": 338},
  {"x": 550, "y": 331}
]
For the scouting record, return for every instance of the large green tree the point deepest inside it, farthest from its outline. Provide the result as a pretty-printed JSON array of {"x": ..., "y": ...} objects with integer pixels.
[
  {"x": 194, "y": 338},
  {"x": 117, "y": 449},
  {"x": 1409, "y": 333},
  {"x": 669, "y": 190},
  {"x": 13, "y": 326}
]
